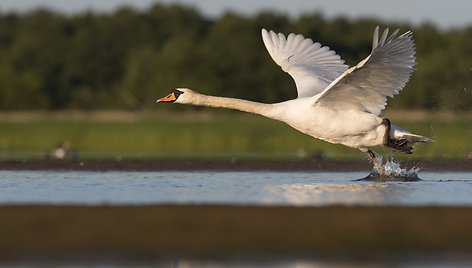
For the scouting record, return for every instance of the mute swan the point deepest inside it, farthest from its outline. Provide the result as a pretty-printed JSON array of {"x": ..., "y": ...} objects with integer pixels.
[{"x": 334, "y": 104}]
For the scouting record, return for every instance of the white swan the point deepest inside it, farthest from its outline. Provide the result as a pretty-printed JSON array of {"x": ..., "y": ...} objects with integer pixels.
[{"x": 334, "y": 103}]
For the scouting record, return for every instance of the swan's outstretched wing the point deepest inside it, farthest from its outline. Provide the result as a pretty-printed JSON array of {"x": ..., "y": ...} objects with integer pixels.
[
  {"x": 383, "y": 73},
  {"x": 312, "y": 66}
]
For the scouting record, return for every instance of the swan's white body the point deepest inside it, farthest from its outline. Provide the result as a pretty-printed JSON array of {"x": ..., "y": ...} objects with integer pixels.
[{"x": 335, "y": 104}]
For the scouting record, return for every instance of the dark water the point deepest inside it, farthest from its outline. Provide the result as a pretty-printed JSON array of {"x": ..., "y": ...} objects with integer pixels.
[{"x": 210, "y": 187}]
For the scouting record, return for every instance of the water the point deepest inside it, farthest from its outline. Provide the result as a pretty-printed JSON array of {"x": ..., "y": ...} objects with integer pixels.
[
  {"x": 243, "y": 188},
  {"x": 225, "y": 187}
]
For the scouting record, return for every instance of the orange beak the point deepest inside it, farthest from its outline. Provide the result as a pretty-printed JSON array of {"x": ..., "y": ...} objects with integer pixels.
[{"x": 169, "y": 98}]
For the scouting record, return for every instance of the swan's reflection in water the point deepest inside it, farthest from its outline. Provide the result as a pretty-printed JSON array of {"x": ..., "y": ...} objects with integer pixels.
[{"x": 342, "y": 194}]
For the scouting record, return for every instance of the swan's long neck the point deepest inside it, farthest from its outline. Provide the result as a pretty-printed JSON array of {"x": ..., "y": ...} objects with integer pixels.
[{"x": 264, "y": 109}]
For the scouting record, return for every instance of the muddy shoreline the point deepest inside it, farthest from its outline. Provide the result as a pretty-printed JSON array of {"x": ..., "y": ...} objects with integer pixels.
[{"x": 226, "y": 164}]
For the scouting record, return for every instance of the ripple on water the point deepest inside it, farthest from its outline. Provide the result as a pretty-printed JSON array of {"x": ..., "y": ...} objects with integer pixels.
[{"x": 228, "y": 187}]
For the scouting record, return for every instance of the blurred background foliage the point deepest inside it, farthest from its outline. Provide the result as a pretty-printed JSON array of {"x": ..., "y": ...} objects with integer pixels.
[{"x": 128, "y": 58}]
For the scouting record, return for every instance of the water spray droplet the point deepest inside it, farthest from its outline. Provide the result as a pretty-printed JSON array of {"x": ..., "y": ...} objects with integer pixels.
[{"x": 391, "y": 171}]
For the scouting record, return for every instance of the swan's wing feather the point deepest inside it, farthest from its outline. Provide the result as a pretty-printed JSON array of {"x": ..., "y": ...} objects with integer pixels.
[
  {"x": 312, "y": 66},
  {"x": 382, "y": 74}
]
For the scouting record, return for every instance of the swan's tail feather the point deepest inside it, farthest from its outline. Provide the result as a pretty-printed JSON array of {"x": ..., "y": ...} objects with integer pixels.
[
  {"x": 399, "y": 133},
  {"x": 413, "y": 138},
  {"x": 400, "y": 139}
]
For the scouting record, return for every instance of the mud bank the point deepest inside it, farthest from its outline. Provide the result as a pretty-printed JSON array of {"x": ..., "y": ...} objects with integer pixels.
[
  {"x": 216, "y": 230},
  {"x": 232, "y": 164}
]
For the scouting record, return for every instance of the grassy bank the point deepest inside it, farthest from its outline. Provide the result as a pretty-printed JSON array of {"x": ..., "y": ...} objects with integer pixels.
[{"x": 206, "y": 135}]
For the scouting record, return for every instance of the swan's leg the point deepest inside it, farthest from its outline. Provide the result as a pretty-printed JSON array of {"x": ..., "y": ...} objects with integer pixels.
[
  {"x": 400, "y": 145},
  {"x": 377, "y": 162},
  {"x": 371, "y": 155}
]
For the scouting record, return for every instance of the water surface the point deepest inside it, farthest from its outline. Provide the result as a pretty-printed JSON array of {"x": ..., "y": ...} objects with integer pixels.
[{"x": 224, "y": 187}]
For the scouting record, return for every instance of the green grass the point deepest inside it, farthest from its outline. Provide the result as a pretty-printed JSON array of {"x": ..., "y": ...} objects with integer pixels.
[{"x": 222, "y": 135}]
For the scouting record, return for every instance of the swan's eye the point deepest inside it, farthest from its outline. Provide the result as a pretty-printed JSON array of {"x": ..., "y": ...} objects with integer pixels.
[{"x": 177, "y": 93}]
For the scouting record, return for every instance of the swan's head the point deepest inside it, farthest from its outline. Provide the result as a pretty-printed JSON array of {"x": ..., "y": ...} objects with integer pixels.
[{"x": 178, "y": 95}]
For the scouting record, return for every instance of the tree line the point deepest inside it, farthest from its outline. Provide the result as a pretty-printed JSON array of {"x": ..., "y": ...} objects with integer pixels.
[{"x": 128, "y": 58}]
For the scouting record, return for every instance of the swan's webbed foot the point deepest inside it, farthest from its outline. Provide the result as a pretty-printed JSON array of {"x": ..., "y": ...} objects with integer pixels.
[{"x": 400, "y": 145}]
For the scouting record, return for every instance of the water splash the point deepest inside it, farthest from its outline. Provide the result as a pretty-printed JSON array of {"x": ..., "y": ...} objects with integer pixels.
[{"x": 391, "y": 171}]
